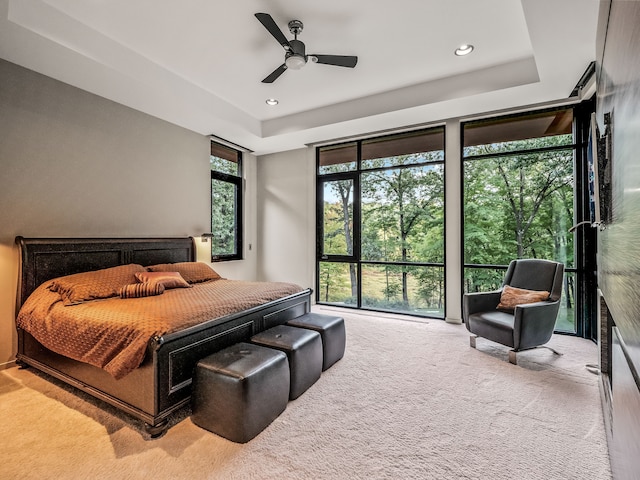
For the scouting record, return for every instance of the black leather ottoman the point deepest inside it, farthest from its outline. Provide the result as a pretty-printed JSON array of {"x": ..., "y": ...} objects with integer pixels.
[
  {"x": 332, "y": 332},
  {"x": 304, "y": 351},
  {"x": 240, "y": 390}
]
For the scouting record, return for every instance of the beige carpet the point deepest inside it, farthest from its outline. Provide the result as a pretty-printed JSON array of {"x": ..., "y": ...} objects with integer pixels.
[{"x": 410, "y": 400}]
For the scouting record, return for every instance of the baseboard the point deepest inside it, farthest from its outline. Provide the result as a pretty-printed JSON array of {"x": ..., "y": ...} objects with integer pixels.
[
  {"x": 607, "y": 408},
  {"x": 6, "y": 365}
]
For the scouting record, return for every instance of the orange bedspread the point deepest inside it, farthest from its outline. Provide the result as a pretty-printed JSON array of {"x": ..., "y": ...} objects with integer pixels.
[{"x": 113, "y": 333}]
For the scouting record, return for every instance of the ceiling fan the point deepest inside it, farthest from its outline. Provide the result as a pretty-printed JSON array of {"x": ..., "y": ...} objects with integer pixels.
[{"x": 295, "y": 56}]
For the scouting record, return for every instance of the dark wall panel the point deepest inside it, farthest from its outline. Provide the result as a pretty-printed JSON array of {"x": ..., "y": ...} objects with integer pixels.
[{"x": 619, "y": 243}]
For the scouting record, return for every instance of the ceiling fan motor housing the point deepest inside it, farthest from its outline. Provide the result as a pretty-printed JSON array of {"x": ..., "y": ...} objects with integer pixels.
[{"x": 296, "y": 58}]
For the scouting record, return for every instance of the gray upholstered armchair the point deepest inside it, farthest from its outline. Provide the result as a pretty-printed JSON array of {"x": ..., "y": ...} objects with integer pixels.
[{"x": 529, "y": 325}]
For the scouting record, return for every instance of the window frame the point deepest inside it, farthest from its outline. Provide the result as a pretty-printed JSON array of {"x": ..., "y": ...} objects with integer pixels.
[
  {"x": 355, "y": 175},
  {"x": 237, "y": 182}
]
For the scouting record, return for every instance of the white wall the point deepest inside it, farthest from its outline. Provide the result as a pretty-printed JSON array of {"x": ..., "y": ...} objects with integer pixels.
[
  {"x": 286, "y": 217},
  {"x": 453, "y": 223}
]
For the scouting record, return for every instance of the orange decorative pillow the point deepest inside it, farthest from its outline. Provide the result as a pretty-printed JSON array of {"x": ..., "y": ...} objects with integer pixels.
[
  {"x": 192, "y": 272},
  {"x": 511, "y": 297},
  {"x": 167, "y": 279},
  {"x": 87, "y": 286},
  {"x": 138, "y": 290}
]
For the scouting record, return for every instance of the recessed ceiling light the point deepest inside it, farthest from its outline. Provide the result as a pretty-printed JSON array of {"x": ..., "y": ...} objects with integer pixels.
[
  {"x": 465, "y": 49},
  {"x": 271, "y": 101}
]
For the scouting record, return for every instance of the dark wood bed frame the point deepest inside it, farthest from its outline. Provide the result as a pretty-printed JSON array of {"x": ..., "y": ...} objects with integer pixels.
[{"x": 162, "y": 383}]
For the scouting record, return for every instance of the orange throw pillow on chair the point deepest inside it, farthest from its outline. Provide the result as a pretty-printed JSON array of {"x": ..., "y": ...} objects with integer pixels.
[{"x": 512, "y": 296}]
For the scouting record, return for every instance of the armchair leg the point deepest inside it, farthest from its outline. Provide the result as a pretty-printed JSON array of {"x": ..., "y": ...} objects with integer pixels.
[
  {"x": 472, "y": 341},
  {"x": 552, "y": 349},
  {"x": 512, "y": 353}
]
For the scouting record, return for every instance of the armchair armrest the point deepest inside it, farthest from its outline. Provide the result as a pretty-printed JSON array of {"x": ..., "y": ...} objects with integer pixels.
[
  {"x": 479, "y": 302},
  {"x": 534, "y": 323}
]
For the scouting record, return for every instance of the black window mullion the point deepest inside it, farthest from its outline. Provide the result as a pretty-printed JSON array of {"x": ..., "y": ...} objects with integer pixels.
[
  {"x": 514, "y": 153},
  {"x": 357, "y": 210},
  {"x": 357, "y": 224},
  {"x": 398, "y": 167}
]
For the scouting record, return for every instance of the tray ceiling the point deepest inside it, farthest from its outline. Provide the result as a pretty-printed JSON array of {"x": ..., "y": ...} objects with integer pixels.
[{"x": 199, "y": 64}]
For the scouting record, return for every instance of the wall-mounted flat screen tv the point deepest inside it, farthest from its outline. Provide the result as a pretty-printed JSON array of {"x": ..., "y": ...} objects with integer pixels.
[{"x": 592, "y": 162}]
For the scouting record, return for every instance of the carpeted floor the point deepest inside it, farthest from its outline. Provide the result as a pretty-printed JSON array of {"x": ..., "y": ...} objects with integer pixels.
[{"x": 410, "y": 400}]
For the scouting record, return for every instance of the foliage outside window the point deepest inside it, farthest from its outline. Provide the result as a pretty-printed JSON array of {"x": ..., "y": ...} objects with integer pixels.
[
  {"x": 226, "y": 203},
  {"x": 519, "y": 199},
  {"x": 381, "y": 223}
]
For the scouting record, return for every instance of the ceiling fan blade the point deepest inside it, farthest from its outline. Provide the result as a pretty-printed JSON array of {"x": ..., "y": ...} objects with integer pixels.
[
  {"x": 275, "y": 74},
  {"x": 338, "y": 60},
  {"x": 273, "y": 29}
]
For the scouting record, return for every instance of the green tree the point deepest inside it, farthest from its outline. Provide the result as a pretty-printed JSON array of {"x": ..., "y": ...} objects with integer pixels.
[
  {"x": 223, "y": 208},
  {"x": 412, "y": 198},
  {"x": 517, "y": 205},
  {"x": 338, "y": 221},
  {"x": 223, "y": 220}
]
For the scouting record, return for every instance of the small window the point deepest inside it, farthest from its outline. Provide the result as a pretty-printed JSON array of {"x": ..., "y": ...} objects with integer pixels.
[{"x": 226, "y": 203}]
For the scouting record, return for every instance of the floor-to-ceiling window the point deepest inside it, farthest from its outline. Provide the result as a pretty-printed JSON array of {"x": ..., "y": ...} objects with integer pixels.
[
  {"x": 519, "y": 199},
  {"x": 380, "y": 224}
]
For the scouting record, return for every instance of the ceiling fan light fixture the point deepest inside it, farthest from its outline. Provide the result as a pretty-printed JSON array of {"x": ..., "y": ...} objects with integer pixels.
[
  {"x": 464, "y": 49},
  {"x": 295, "y": 61}
]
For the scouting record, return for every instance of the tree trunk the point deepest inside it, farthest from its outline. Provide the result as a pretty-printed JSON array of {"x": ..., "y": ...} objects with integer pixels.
[
  {"x": 403, "y": 239},
  {"x": 345, "y": 189},
  {"x": 326, "y": 288},
  {"x": 354, "y": 280},
  {"x": 520, "y": 218}
]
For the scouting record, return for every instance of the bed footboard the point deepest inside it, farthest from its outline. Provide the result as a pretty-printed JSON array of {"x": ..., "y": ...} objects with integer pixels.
[{"x": 162, "y": 384}]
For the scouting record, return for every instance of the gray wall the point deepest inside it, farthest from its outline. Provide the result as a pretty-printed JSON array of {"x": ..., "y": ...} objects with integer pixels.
[{"x": 75, "y": 164}]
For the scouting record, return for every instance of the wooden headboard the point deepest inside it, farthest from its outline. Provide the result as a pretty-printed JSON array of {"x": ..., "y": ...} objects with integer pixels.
[{"x": 42, "y": 259}]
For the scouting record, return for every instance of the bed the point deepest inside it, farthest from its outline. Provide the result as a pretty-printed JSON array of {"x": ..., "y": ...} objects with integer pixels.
[{"x": 161, "y": 384}]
